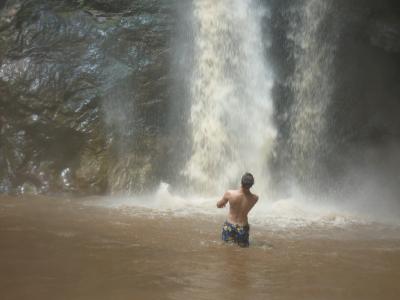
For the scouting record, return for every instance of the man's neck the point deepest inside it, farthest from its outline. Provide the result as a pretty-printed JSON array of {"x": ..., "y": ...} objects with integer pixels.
[{"x": 245, "y": 190}]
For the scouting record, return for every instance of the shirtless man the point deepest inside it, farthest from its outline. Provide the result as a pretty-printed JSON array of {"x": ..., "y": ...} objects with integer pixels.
[{"x": 236, "y": 228}]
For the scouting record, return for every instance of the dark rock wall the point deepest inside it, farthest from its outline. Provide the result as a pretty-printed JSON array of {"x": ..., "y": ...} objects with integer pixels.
[
  {"x": 83, "y": 94},
  {"x": 364, "y": 123}
]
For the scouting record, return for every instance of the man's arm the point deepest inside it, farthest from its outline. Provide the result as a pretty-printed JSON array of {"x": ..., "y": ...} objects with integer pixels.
[
  {"x": 221, "y": 203},
  {"x": 255, "y": 199}
]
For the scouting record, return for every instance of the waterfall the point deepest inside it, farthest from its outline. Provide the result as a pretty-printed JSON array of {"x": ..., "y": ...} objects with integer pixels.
[
  {"x": 311, "y": 85},
  {"x": 231, "y": 102}
]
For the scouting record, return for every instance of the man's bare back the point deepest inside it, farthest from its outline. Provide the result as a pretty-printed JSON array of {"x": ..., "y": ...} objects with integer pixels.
[
  {"x": 236, "y": 228},
  {"x": 240, "y": 203}
]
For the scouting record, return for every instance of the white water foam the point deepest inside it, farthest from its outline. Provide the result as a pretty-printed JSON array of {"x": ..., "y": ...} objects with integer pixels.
[{"x": 282, "y": 214}]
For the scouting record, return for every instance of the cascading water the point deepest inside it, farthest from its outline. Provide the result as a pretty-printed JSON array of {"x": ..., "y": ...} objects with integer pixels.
[
  {"x": 231, "y": 114},
  {"x": 311, "y": 85}
]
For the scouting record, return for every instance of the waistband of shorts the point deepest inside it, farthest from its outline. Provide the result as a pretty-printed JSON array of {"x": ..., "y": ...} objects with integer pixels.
[{"x": 237, "y": 225}]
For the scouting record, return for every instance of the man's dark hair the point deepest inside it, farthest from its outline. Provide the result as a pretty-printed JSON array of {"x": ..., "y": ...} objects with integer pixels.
[{"x": 247, "y": 180}]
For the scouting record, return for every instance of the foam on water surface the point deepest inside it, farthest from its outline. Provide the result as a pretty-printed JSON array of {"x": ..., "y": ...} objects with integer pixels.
[{"x": 280, "y": 214}]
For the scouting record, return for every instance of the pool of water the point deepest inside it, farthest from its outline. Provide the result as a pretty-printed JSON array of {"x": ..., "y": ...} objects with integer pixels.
[{"x": 63, "y": 248}]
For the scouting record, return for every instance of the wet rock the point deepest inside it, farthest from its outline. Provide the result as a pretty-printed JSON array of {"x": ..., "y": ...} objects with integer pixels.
[
  {"x": 385, "y": 33},
  {"x": 132, "y": 174},
  {"x": 28, "y": 188},
  {"x": 77, "y": 80},
  {"x": 92, "y": 173},
  {"x": 108, "y": 6}
]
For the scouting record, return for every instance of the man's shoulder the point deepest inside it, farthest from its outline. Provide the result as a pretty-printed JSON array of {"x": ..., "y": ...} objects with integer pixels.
[
  {"x": 255, "y": 197},
  {"x": 232, "y": 194}
]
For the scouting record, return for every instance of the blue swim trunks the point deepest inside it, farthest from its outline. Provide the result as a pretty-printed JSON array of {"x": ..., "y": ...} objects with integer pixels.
[{"x": 235, "y": 233}]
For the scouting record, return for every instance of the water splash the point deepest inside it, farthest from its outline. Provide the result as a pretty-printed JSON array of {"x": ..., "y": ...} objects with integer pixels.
[
  {"x": 231, "y": 114},
  {"x": 282, "y": 214}
]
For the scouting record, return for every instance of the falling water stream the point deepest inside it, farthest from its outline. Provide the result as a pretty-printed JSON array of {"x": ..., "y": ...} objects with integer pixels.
[
  {"x": 312, "y": 86},
  {"x": 232, "y": 109}
]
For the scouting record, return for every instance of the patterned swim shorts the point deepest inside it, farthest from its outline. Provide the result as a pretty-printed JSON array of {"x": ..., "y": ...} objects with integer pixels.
[{"x": 235, "y": 233}]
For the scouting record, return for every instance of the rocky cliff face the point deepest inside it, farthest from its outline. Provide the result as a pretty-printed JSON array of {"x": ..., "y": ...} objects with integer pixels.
[{"x": 83, "y": 94}]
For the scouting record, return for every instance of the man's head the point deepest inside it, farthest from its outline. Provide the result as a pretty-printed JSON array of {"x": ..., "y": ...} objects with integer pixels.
[{"x": 247, "y": 180}]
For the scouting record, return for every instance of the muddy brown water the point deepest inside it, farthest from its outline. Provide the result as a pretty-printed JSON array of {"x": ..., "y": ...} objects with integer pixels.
[{"x": 62, "y": 249}]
